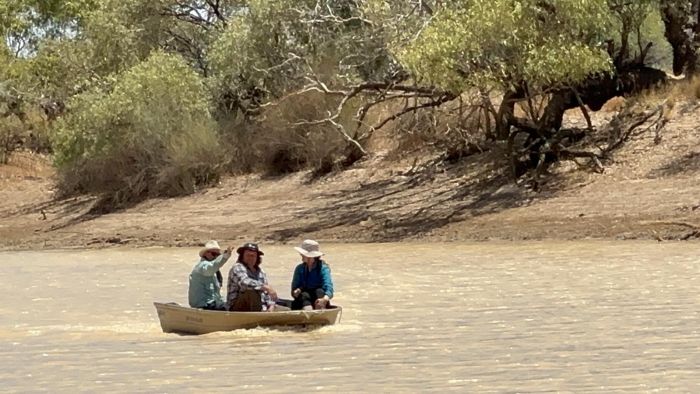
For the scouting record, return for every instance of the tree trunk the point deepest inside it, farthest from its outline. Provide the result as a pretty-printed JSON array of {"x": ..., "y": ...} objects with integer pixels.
[
  {"x": 682, "y": 32},
  {"x": 506, "y": 113},
  {"x": 553, "y": 116},
  {"x": 624, "y": 45},
  {"x": 352, "y": 153}
]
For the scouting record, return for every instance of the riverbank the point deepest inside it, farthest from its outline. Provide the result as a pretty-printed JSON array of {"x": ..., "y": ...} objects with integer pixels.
[{"x": 649, "y": 190}]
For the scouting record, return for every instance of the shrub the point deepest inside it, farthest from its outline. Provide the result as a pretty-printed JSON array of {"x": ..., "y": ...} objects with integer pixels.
[
  {"x": 279, "y": 143},
  {"x": 22, "y": 127},
  {"x": 10, "y": 140},
  {"x": 150, "y": 134}
]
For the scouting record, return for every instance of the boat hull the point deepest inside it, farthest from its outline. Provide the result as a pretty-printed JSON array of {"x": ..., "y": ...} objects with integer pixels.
[{"x": 175, "y": 318}]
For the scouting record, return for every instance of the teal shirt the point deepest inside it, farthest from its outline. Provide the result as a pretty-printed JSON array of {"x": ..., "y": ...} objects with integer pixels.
[
  {"x": 204, "y": 288},
  {"x": 318, "y": 278}
]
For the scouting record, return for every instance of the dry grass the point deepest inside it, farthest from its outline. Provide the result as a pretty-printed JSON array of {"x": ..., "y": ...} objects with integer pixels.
[
  {"x": 10, "y": 137},
  {"x": 452, "y": 127},
  {"x": 678, "y": 96},
  {"x": 275, "y": 146},
  {"x": 675, "y": 91},
  {"x": 148, "y": 169},
  {"x": 687, "y": 89},
  {"x": 284, "y": 140},
  {"x": 26, "y": 164},
  {"x": 30, "y": 133},
  {"x": 615, "y": 104}
]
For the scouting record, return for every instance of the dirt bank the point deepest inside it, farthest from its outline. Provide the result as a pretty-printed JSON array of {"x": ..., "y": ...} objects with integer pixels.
[{"x": 648, "y": 191}]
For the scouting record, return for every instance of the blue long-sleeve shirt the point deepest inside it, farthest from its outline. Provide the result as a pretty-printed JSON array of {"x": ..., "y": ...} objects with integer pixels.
[
  {"x": 204, "y": 287},
  {"x": 319, "y": 277}
]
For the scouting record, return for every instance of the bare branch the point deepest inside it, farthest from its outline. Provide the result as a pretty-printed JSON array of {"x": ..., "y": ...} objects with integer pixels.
[
  {"x": 187, "y": 17},
  {"x": 317, "y": 17},
  {"x": 332, "y": 119},
  {"x": 292, "y": 57},
  {"x": 216, "y": 8},
  {"x": 642, "y": 119},
  {"x": 183, "y": 43},
  {"x": 434, "y": 103},
  {"x": 584, "y": 111},
  {"x": 362, "y": 112}
]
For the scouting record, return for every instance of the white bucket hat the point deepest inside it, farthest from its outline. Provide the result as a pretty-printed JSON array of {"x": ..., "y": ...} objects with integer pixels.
[
  {"x": 210, "y": 246},
  {"x": 309, "y": 248}
]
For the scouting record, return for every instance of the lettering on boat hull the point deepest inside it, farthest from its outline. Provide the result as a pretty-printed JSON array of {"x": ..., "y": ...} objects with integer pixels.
[{"x": 194, "y": 319}]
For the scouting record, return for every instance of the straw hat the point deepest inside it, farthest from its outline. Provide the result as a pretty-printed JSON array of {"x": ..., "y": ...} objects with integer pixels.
[
  {"x": 309, "y": 248},
  {"x": 211, "y": 246}
]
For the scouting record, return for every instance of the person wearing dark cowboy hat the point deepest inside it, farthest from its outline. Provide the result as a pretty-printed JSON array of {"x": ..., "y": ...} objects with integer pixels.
[
  {"x": 312, "y": 285},
  {"x": 248, "y": 288},
  {"x": 205, "y": 278}
]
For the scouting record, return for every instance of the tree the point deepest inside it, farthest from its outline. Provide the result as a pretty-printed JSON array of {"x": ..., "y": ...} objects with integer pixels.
[
  {"x": 150, "y": 134},
  {"x": 24, "y": 24},
  {"x": 682, "y": 22},
  {"x": 561, "y": 53},
  {"x": 376, "y": 61},
  {"x": 274, "y": 47}
]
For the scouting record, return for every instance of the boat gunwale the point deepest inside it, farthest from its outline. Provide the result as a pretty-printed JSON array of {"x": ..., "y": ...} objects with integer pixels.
[
  {"x": 332, "y": 309},
  {"x": 200, "y": 321}
]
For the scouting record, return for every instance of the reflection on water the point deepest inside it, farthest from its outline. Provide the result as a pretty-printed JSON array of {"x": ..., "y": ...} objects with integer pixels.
[{"x": 465, "y": 317}]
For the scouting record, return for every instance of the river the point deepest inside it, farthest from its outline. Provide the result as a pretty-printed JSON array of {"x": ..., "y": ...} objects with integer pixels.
[{"x": 482, "y": 317}]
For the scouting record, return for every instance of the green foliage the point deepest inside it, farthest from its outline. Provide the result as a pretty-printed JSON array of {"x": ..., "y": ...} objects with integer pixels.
[
  {"x": 136, "y": 127},
  {"x": 275, "y": 45},
  {"x": 30, "y": 131},
  {"x": 25, "y": 23},
  {"x": 277, "y": 144},
  {"x": 113, "y": 38},
  {"x": 259, "y": 48},
  {"x": 651, "y": 30},
  {"x": 502, "y": 43},
  {"x": 10, "y": 130},
  {"x": 150, "y": 135}
]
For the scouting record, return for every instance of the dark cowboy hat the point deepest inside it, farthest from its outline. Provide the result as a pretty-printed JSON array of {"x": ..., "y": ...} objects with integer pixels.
[{"x": 250, "y": 246}]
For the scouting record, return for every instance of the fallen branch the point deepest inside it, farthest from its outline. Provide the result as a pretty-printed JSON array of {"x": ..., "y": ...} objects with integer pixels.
[
  {"x": 692, "y": 234},
  {"x": 594, "y": 158},
  {"x": 645, "y": 117},
  {"x": 671, "y": 223}
]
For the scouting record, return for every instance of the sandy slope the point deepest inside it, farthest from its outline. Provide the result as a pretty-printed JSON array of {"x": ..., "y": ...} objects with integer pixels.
[{"x": 649, "y": 191}]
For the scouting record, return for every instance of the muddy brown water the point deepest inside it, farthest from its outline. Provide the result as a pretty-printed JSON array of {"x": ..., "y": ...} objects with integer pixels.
[{"x": 493, "y": 317}]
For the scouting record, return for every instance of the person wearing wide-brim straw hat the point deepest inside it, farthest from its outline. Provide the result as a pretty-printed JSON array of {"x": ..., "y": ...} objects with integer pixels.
[
  {"x": 205, "y": 278},
  {"x": 248, "y": 287},
  {"x": 312, "y": 284}
]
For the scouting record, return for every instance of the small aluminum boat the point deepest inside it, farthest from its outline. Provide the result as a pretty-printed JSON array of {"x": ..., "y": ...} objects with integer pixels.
[{"x": 185, "y": 320}]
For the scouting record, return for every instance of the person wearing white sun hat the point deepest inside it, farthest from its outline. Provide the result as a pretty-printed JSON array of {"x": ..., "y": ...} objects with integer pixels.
[
  {"x": 312, "y": 284},
  {"x": 205, "y": 278}
]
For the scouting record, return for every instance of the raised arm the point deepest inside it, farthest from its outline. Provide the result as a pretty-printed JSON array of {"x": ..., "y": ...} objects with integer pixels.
[{"x": 209, "y": 268}]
